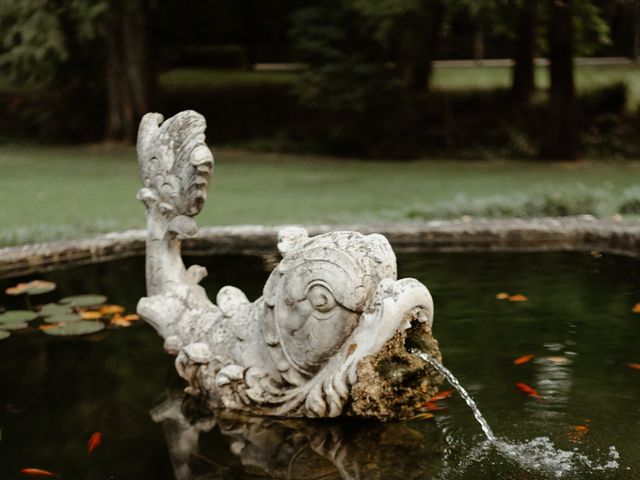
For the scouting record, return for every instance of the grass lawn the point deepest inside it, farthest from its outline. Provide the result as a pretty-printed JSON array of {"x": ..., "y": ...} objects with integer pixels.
[
  {"x": 444, "y": 78},
  {"x": 53, "y": 193}
]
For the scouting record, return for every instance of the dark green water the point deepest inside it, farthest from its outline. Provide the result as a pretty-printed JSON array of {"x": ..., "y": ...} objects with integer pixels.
[{"x": 54, "y": 392}]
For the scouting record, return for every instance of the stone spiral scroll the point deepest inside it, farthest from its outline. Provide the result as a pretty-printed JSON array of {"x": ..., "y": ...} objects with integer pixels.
[{"x": 328, "y": 337}]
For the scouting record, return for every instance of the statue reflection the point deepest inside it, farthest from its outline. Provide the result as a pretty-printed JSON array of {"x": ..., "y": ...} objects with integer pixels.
[{"x": 226, "y": 445}]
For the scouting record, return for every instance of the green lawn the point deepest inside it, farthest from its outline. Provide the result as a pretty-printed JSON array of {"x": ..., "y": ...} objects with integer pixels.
[
  {"x": 445, "y": 78},
  {"x": 53, "y": 193}
]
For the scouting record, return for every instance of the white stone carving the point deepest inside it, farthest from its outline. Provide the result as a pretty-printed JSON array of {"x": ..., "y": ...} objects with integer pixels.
[{"x": 326, "y": 338}]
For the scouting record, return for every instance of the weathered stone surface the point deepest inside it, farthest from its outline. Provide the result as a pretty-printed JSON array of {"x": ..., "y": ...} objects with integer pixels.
[
  {"x": 331, "y": 305},
  {"x": 540, "y": 234}
]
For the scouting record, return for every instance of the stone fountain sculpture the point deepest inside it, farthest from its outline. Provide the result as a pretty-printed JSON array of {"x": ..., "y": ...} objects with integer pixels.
[{"x": 331, "y": 333}]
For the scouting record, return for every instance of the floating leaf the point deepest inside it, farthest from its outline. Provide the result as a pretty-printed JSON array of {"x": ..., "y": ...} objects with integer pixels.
[
  {"x": 423, "y": 416},
  {"x": 636, "y": 308},
  {"x": 18, "y": 289},
  {"x": 4, "y": 334},
  {"x": 119, "y": 321},
  {"x": 18, "y": 316},
  {"x": 94, "y": 441},
  {"x": 38, "y": 287},
  {"x": 13, "y": 325},
  {"x": 80, "y": 301},
  {"x": 558, "y": 360},
  {"x": 37, "y": 472},
  {"x": 524, "y": 359},
  {"x": 35, "y": 287},
  {"x": 63, "y": 318},
  {"x": 502, "y": 296},
  {"x": 132, "y": 317},
  {"x": 441, "y": 395},
  {"x": 111, "y": 309},
  {"x": 532, "y": 392},
  {"x": 90, "y": 315},
  {"x": 635, "y": 366},
  {"x": 48, "y": 326},
  {"x": 54, "y": 309},
  {"x": 75, "y": 328},
  {"x": 518, "y": 297}
]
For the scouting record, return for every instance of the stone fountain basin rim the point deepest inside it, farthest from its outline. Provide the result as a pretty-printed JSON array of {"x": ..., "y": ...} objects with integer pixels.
[{"x": 582, "y": 233}]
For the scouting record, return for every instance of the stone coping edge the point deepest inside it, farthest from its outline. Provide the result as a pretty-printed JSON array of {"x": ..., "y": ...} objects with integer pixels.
[{"x": 582, "y": 233}]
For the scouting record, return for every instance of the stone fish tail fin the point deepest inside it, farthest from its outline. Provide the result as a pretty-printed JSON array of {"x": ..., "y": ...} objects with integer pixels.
[
  {"x": 175, "y": 164},
  {"x": 175, "y": 167}
]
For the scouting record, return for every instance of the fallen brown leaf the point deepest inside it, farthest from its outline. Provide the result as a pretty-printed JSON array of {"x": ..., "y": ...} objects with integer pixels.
[
  {"x": 90, "y": 315},
  {"x": 111, "y": 309},
  {"x": 119, "y": 321},
  {"x": 517, "y": 298}
]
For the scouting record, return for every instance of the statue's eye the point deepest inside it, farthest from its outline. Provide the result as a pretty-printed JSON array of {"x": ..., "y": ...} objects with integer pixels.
[{"x": 321, "y": 298}]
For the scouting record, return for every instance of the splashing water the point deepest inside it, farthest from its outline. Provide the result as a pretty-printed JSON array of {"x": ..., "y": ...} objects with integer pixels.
[
  {"x": 537, "y": 454},
  {"x": 461, "y": 390},
  {"x": 541, "y": 454}
]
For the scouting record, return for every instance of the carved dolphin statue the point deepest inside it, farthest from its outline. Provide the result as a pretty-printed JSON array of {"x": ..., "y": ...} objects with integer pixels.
[{"x": 330, "y": 334}]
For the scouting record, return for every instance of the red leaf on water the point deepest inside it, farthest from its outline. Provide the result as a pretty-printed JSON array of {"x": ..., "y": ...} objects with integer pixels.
[
  {"x": 36, "y": 472},
  {"x": 635, "y": 366},
  {"x": 94, "y": 441},
  {"x": 532, "y": 392},
  {"x": 524, "y": 359},
  {"x": 441, "y": 396},
  {"x": 636, "y": 308}
]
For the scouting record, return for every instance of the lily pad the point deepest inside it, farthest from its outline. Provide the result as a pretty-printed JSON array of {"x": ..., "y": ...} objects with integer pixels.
[
  {"x": 4, "y": 334},
  {"x": 75, "y": 328},
  {"x": 63, "y": 318},
  {"x": 13, "y": 325},
  {"x": 18, "y": 316},
  {"x": 84, "y": 300},
  {"x": 35, "y": 287},
  {"x": 51, "y": 309}
]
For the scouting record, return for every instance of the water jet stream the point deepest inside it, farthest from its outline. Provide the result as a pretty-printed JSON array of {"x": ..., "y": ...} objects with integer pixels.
[{"x": 461, "y": 390}]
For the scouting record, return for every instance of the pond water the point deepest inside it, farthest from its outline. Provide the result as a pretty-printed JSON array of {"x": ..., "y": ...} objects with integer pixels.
[{"x": 577, "y": 321}]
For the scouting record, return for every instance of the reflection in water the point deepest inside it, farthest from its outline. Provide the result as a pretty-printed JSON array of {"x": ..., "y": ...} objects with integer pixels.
[
  {"x": 256, "y": 447},
  {"x": 580, "y": 326}
]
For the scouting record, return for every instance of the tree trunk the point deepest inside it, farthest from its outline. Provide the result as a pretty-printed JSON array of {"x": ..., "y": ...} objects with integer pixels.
[
  {"x": 524, "y": 51},
  {"x": 635, "y": 15},
  {"x": 129, "y": 78},
  {"x": 428, "y": 37},
  {"x": 478, "y": 45},
  {"x": 562, "y": 136}
]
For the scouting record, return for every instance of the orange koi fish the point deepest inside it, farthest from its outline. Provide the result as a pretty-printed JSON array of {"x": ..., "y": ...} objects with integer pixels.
[
  {"x": 532, "y": 392},
  {"x": 94, "y": 441},
  {"x": 440, "y": 396},
  {"x": 524, "y": 359},
  {"x": 36, "y": 472}
]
